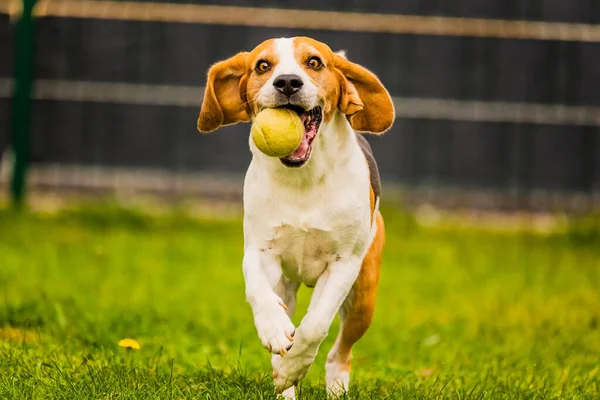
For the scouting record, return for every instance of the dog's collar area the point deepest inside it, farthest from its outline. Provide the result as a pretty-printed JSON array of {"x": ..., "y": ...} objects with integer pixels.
[{"x": 312, "y": 122}]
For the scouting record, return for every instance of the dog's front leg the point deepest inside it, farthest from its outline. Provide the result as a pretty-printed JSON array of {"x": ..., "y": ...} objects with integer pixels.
[
  {"x": 330, "y": 292},
  {"x": 273, "y": 325}
]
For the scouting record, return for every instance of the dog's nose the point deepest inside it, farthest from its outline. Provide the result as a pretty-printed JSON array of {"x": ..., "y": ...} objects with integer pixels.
[{"x": 288, "y": 84}]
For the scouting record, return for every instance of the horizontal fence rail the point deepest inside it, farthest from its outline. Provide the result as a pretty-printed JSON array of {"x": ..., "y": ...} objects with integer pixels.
[
  {"x": 311, "y": 19},
  {"x": 191, "y": 96}
]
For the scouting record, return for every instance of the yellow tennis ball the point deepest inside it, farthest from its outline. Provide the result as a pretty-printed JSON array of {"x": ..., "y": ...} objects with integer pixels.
[{"x": 277, "y": 132}]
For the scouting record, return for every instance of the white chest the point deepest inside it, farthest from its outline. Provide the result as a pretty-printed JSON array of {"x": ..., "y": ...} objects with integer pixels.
[{"x": 308, "y": 230}]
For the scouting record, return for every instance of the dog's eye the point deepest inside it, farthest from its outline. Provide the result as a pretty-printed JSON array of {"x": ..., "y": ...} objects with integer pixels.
[
  {"x": 315, "y": 62},
  {"x": 263, "y": 66}
]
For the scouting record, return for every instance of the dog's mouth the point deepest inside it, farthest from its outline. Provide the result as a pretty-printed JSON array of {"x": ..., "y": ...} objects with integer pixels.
[{"x": 312, "y": 121}]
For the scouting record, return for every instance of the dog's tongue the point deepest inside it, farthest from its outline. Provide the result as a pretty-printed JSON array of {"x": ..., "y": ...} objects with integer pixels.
[{"x": 302, "y": 150}]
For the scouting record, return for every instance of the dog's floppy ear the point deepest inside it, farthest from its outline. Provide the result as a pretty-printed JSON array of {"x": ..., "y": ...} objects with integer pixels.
[
  {"x": 223, "y": 102},
  {"x": 366, "y": 103}
]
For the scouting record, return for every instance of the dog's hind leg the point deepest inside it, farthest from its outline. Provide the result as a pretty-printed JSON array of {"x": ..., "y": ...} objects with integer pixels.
[{"x": 356, "y": 315}]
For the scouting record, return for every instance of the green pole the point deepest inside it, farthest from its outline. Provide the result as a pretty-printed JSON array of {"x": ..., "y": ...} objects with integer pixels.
[{"x": 21, "y": 104}]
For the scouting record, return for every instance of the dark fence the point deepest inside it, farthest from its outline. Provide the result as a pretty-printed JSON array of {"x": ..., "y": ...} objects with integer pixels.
[{"x": 480, "y": 112}]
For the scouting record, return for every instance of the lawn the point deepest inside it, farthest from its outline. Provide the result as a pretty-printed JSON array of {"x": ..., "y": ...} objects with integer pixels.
[{"x": 462, "y": 312}]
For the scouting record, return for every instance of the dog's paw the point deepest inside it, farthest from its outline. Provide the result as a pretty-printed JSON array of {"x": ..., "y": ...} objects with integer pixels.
[
  {"x": 337, "y": 378},
  {"x": 288, "y": 394},
  {"x": 289, "y": 370},
  {"x": 274, "y": 327}
]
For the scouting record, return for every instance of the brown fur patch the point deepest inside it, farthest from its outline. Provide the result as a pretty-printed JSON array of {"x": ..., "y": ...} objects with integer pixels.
[
  {"x": 364, "y": 100},
  {"x": 223, "y": 103},
  {"x": 256, "y": 80},
  {"x": 324, "y": 78}
]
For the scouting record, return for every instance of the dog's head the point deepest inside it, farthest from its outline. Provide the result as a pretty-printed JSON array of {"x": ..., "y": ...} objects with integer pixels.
[{"x": 301, "y": 74}]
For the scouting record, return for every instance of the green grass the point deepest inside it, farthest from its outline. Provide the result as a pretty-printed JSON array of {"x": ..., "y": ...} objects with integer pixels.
[{"x": 462, "y": 313}]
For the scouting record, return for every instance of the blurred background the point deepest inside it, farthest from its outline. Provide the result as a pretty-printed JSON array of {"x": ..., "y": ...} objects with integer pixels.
[{"x": 497, "y": 102}]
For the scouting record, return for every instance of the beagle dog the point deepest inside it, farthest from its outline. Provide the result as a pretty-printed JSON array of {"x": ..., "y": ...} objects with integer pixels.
[{"x": 312, "y": 217}]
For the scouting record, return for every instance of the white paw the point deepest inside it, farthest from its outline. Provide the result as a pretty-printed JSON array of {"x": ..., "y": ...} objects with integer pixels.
[
  {"x": 337, "y": 378},
  {"x": 291, "y": 368},
  {"x": 288, "y": 394},
  {"x": 274, "y": 327}
]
